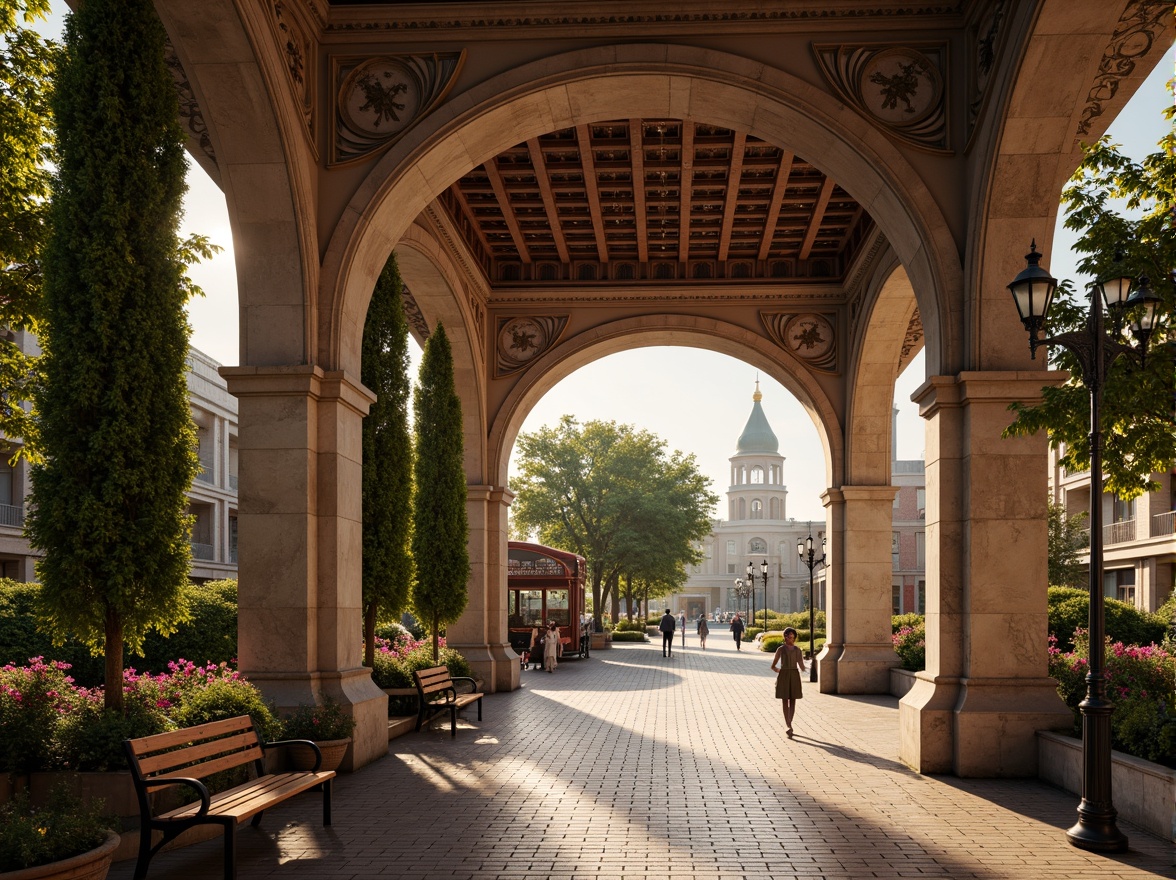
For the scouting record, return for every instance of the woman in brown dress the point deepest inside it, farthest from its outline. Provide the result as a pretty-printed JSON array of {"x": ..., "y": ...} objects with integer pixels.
[{"x": 788, "y": 664}]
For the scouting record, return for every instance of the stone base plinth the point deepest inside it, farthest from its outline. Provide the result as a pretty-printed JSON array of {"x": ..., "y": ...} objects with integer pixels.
[{"x": 864, "y": 668}]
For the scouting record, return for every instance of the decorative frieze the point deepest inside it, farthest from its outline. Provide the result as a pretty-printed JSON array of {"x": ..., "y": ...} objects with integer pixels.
[
  {"x": 298, "y": 51},
  {"x": 191, "y": 118},
  {"x": 377, "y": 99},
  {"x": 809, "y": 336},
  {"x": 901, "y": 89},
  {"x": 986, "y": 42}
]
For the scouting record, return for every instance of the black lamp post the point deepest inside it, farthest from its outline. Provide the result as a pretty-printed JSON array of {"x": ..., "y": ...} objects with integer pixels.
[
  {"x": 808, "y": 558},
  {"x": 741, "y": 589},
  {"x": 751, "y": 579},
  {"x": 1095, "y": 350}
]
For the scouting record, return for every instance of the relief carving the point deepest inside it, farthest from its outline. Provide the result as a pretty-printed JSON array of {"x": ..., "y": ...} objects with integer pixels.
[
  {"x": 900, "y": 88},
  {"x": 190, "y": 116},
  {"x": 298, "y": 50},
  {"x": 522, "y": 339},
  {"x": 986, "y": 44},
  {"x": 378, "y": 99},
  {"x": 412, "y": 313},
  {"x": 809, "y": 337}
]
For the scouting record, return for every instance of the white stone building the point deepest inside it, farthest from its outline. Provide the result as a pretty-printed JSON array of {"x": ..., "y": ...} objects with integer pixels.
[
  {"x": 212, "y": 498},
  {"x": 758, "y": 529}
]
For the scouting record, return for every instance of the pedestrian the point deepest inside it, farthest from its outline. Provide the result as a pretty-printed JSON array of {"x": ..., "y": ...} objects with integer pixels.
[
  {"x": 552, "y": 646},
  {"x": 535, "y": 651},
  {"x": 788, "y": 663},
  {"x": 682, "y": 626},
  {"x": 667, "y": 627},
  {"x": 737, "y": 629},
  {"x": 703, "y": 631}
]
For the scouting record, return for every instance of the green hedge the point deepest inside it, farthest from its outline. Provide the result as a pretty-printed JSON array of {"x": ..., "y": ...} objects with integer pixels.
[
  {"x": 621, "y": 635},
  {"x": 1069, "y": 609}
]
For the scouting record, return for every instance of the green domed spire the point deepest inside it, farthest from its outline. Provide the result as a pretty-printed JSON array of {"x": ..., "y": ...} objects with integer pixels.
[{"x": 757, "y": 436}]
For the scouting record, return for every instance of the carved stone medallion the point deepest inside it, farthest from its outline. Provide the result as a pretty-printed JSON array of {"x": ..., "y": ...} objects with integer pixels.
[
  {"x": 522, "y": 339},
  {"x": 809, "y": 337}
]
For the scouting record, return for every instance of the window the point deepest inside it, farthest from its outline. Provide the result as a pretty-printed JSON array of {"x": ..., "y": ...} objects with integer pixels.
[
  {"x": 894, "y": 560},
  {"x": 730, "y": 568},
  {"x": 921, "y": 596},
  {"x": 1121, "y": 510},
  {"x": 921, "y": 502},
  {"x": 920, "y": 550},
  {"x": 731, "y": 548},
  {"x": 757, "y": 509},
  {"x": 757, "y": 474},
  {"x": 1119, "y": 584},
  {"x": 896, "y": 598},
  {"x": 5, "y": 480},
  {"x": 758, "y": 546}
]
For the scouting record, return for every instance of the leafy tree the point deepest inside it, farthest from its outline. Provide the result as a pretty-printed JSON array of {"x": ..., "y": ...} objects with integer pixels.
[
  {"x": 611, "y": 494},
  {"x": 387, "y": 457},
  {"x": 26, "y": 66},
  {"x": 109, "y": 499},
  {"x": 440, "y": 529},
  {"x": 1067, "y": 539},
  {"x": 1124, "y": 210}
]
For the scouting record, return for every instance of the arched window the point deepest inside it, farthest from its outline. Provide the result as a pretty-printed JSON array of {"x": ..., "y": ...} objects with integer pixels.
[
  {"x": 757, "y": 509},
  {"x": 757, "y": 546},
  {"x": 757, "y": 474}
]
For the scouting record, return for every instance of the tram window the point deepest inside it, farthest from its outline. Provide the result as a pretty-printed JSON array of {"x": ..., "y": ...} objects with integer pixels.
[
  {"x": 527, "y": 608},
  {"x": 557, "y": 607}
]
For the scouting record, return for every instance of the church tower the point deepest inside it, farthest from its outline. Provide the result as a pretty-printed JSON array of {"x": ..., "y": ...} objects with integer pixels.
[{"x": 757, "y": 490}]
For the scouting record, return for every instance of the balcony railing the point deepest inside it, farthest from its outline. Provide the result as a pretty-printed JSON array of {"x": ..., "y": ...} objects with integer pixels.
[
  {"x": 11, "y": 515},
  {"x": 1119, "y": 532},
  {"x": 1164, "y": 524},
  {"x": 203, "y": 551}
]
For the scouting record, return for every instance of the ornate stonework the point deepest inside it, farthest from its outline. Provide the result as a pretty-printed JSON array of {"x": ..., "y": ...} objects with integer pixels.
[
  {"x": 298, "y": 48},
  {"x": 987, "y": 40},
  {"x": 190, "y": 116},
  {"x": 522, "y": 339},
  {"x": 412, "y": 312},
  {"x": 1137, "y": 28},
  {"x": 913, "y": 340},
  {"x": 902, "y": 89},
  {"x": 377, "y": 99},
  {"x": 809, "y": 336}
]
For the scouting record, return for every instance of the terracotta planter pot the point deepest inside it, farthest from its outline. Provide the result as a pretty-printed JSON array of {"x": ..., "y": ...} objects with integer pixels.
[
  {"x": 302, "y": 758},
  {"x": 92, "y": 865}
]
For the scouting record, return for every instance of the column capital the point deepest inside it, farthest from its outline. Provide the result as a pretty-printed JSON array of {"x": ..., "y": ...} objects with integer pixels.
[
  {"x": 299, "y": 380},
  {"x": 989, "y": 386}
]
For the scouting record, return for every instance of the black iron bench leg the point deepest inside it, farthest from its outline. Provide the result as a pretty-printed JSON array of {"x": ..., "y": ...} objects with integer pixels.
[
  {"x": 327, "y": 802},
  {"x": 257, "y": 819},
  {"x": 479, "y": 710},
  {"x": 231, "y": 850},
  {"x": 144, "y": 851},
  {"x": 453, "y": 721}
]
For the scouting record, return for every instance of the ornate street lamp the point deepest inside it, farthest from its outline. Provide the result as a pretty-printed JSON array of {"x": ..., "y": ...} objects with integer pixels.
[
  {"x": 741, "y": 590},
  {"x": 808, "y": 558},
  {"x": 1095, "y": 350},
  {"x": 751, "y": 579}
]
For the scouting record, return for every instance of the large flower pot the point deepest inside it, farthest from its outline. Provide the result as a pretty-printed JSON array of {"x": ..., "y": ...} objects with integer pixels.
[
  {"x": 302, "y": 758},
  {"x": 92, "y": 865}
]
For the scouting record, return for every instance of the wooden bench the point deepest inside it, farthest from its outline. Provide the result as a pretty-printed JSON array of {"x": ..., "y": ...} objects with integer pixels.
[
  {"x": 181, "y": 758},
  {"x": 438, "y": 694}
]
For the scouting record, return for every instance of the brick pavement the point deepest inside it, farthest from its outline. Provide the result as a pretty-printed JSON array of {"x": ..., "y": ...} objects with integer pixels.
[{"x": 629, "y": 765}]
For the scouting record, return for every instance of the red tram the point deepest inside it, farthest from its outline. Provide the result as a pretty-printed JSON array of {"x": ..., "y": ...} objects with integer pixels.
[{"x": 546, "y": 584}]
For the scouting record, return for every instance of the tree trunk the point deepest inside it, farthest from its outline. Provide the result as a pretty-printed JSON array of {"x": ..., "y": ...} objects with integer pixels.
[
  {"x": 436, "y": 638},
  {"x": 369, "y": 636},
  {"x": 113, "y": 697}
]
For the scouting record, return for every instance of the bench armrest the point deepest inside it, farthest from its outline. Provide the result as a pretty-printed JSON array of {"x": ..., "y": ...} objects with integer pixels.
[
  {"x": 473, "y": 684},
  {"x": 200, "y": 787},
  {"x": 318, "y": 753}
]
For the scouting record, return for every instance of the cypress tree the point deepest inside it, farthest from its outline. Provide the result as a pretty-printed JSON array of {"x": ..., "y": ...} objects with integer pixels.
[
  {"x": 387, "y": 457},
  {"x": 440, "y": 529},
  {"x": 109, "y": 501}
]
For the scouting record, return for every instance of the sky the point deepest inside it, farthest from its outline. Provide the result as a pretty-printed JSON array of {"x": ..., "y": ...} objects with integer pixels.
[{"x": 696, "y": 400}]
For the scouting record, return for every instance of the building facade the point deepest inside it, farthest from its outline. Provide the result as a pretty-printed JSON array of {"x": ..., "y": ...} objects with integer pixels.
[
  {"x": 758, "y": 530},
  {"x": 212, "y": 497},
  {"x": 1139, "y": 538}
]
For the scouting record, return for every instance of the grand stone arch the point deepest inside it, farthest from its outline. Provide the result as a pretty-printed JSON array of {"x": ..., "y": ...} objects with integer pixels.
[{"x": 952, "y": 200}]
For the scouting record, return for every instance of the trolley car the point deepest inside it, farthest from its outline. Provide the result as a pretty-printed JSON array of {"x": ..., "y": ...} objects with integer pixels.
[{"x": 546, "y": 584}]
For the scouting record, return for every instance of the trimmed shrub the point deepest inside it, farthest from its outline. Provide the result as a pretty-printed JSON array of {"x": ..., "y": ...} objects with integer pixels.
[
  {"x": 226, "y": 698},
  {"x": 394, "y": 664},
  {"x": 910, "y": 644},
  {"x": 898, "y": 621},
  {"x": 1069, "y": 609},
  {"x": 629, "y": 626},
  {"x": 620, "y": 635},
  {"x": 771, "y": 643},
  {"x": 20, "y": 638},
  {"x": 210, "y": 636}
]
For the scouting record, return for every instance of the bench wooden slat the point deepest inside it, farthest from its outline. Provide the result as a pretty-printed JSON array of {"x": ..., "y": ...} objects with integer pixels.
[
  {"x": 245, "y": 801},
  {"x": 159, "y": 764},
  {"x": 436, "y": 680},
  {"x": 160, "y": 741}
]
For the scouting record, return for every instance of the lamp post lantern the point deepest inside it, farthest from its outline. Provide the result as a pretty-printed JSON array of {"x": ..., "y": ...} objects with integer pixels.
[
  {"x": 809, "y": 559},
  {"x": 751, "y": 575},
  {"x": 741, "y": 592},
  {"x": 1095, "y": 350}
]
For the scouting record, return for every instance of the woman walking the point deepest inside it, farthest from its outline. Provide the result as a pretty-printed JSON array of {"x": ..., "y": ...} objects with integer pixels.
[
  {"x": 788, "y": 663},
  {"x": 703, "y": 631},
  {"x": 552, "y": 647}
]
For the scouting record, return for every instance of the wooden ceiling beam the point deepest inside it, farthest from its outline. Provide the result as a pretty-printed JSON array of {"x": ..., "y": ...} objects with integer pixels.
[
  {"x": 818, "y": 215},
  {"x": 588, "y": 168},
  {"x": 540, "y": 165},
  {"x": 734, "y": 178},
  {"x": 685, "y": 190},
  {"x": 637, "y": 161},
  {"x": 508, "y": 214},
  {"x": 777, "y": 200}
]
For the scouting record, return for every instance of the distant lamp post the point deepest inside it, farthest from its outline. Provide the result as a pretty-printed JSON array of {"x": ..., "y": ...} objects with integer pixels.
[
  {"x": 764, "y": 577},
  {"x": 809, "y": 559},
  {"x": 1095, "y": 350},
  {"x": 741, "y": 592}
]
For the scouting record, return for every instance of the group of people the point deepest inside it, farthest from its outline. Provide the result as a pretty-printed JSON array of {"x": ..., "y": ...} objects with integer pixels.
[
  {"x": 787, "y": 662},
  {"x": 546, "y": 645}
]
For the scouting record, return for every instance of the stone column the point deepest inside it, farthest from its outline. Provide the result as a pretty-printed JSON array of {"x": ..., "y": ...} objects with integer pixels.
[
  {"x": 867, "y": 572},
  {"x": 481, "y": 632},
  {"x": 299, "y": 594},
  {"x": 826, "y": 661},
  {"x": 986, "y": 690}
]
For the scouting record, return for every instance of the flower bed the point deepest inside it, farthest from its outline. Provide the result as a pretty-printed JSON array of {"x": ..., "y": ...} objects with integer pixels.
[{"x": 399, "y": 656}]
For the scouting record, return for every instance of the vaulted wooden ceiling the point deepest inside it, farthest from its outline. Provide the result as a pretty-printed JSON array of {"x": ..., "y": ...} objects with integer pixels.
[{"x": 652, "y": 200}]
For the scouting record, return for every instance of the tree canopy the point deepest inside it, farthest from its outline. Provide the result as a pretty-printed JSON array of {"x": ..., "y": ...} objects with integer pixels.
[
  {"x": 612, "y": 494},
  {"x": 108, "y": 502},
  {"x": 1067, "y": 539},
  {"x": 440, "y": 527},
  {"x": 1126, "y": 213},
  {"x": 387, "y": 457}
]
